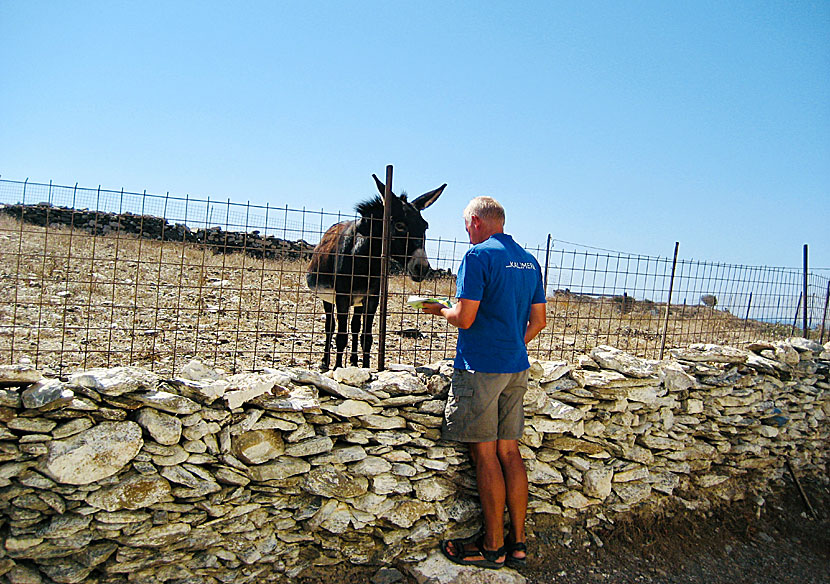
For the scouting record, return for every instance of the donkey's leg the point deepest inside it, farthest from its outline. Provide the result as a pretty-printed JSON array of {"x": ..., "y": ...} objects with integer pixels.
[
  {"x": 357, "y": 318},
  {"x": 342, "y": 304},
  {"x": 329, "y": 308},
  {"x": 369, "y": 309}
]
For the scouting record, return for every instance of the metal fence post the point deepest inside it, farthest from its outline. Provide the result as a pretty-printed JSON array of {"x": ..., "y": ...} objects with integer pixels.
[
  {"x": 824, "y": 317},
  {"x": 804, "y": 316},
  {"x": 384, "y": 269},
  {"x": 748, "y": 306},
  {"x": 547, "y": 264},
  {"x": 668, "y": 302},
  {"x": 798, "y": 306}
]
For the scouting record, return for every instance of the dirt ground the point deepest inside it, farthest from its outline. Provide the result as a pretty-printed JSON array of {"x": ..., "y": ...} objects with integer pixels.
[
  {"x": 728, "y": 545},
  {"x": 778, "y": 542}
]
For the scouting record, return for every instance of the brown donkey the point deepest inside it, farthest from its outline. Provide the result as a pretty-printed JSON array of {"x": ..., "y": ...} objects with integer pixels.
[{"x": 345, "y": 266}]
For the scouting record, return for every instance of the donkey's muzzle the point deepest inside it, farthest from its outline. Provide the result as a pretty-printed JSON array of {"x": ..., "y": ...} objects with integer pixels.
[{"x": 418, "y": 266}]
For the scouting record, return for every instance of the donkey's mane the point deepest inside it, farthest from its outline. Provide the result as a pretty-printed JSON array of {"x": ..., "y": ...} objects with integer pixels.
[
  {"x": 374, "y": 206},
  {"x": 370, "y": 207}
]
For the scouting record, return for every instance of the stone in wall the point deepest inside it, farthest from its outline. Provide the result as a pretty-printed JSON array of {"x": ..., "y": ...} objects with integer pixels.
[{"x": 92, "y": 455}]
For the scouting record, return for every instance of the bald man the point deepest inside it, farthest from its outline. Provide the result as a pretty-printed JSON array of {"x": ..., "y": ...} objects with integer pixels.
[{"x": 501, "y": 307}]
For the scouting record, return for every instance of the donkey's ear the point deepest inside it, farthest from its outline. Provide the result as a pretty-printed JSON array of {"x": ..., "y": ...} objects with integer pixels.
[
  {"x": 429, "y": 198},
  {"x": 380, "y": 185}
]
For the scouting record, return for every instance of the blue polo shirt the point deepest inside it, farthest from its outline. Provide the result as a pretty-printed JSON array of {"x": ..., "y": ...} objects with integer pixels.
[{"x": 506, "y": 280}]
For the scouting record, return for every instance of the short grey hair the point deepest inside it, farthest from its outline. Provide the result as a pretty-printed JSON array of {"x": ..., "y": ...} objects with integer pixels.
[{"x": 486, "y": 208}]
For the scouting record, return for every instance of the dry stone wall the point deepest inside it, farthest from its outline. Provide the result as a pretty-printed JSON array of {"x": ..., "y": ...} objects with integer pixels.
[
  {"x": 150, "y": 227},
  {"x": 116, "y": 475}
]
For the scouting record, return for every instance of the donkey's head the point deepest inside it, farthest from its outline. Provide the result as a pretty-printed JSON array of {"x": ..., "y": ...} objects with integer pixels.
[{"x": 407, "y": 225}]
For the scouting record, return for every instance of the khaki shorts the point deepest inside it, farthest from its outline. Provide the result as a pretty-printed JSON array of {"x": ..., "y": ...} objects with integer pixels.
[{"x": 483, "y": 407}]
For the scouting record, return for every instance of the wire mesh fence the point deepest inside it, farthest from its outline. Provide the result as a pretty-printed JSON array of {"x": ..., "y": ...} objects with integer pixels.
[
  {"x": 90, "y": 277},
  {"x": 602, "y": 297}
]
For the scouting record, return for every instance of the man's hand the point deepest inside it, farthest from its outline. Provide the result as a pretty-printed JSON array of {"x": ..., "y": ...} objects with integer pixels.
[
  {"x": 461, "y": 315},
  {"x": 432, "y": 308}
]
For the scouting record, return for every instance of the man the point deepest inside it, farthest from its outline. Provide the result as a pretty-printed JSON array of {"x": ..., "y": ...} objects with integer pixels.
[{"x": 501, "y": 307}]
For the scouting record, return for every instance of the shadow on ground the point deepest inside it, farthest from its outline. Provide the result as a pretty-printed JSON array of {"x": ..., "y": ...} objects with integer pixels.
[{"x": 742, "y": 542}]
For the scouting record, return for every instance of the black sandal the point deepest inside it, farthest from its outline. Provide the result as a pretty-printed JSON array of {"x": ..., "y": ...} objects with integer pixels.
[
  {"x": 461, "y": 555},
  {"x": 512, "y": 561}
]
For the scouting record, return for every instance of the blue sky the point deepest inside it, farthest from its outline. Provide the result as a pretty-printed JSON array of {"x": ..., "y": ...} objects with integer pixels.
[{"x": 621, "y": 125}]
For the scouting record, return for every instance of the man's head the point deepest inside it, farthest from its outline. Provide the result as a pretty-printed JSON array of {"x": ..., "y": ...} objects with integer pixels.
[{"x": 483, "y": 217}]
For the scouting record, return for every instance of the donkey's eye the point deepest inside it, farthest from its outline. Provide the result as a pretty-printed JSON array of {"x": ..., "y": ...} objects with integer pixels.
[{"x": 400, "y": 226}]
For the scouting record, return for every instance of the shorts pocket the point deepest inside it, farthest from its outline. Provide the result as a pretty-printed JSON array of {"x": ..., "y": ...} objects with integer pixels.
[{"x": 461, "y": 384}]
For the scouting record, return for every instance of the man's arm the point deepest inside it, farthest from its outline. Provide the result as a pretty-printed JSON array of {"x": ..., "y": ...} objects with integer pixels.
[
  {"x": 537, "y": 321},
  {"x": 461, "y": 315}
]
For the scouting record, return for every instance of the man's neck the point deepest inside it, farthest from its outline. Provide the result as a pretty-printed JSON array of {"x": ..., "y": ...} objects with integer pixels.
[{"x": 488, "y": 233}]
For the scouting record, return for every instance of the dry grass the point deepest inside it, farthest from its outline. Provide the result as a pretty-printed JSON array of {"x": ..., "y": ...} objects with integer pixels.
[{"x": 70, "y": 300}]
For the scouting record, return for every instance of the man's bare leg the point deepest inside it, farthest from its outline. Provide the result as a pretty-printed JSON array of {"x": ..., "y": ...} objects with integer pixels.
[
  {"x": 491, "y": 491},
  {"x": 515, "y": 479}
]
